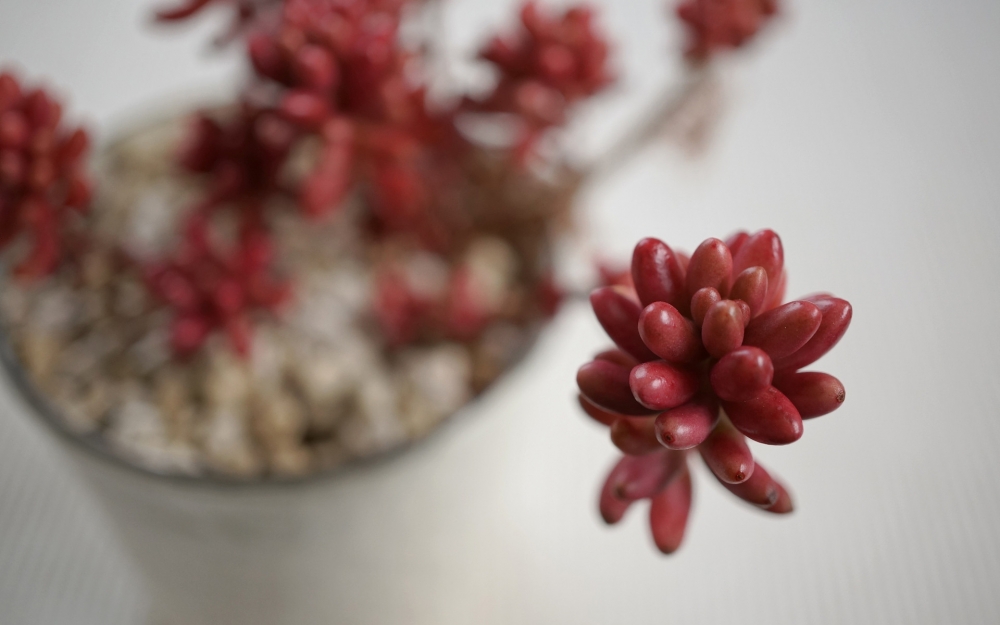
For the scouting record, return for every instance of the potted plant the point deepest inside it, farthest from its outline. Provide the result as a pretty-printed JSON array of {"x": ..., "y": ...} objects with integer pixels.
[{"x": 326, "y": 269}]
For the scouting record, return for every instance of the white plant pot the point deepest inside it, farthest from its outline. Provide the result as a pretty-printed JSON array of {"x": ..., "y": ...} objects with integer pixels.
[
  {"x": 362, "y": 545},
  {"x": 220, "y": 555}
]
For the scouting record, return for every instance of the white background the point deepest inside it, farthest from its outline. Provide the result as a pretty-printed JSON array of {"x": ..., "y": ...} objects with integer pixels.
[{"x": 868, "y": 135}]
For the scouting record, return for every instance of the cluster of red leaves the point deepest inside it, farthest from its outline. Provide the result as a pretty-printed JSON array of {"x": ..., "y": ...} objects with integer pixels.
[
  {"x": 340, "y": 76},
  {"x": 706, "y": 355},
  {"x": 42, "y": 180},
  {"x": 343, "y": 74},
  {"x": 551, "y": 64},
  {"x": 337, "y": 74},
  {"x": 338, "y": 55},
  {"x": 209, "y": 289},
  {"x": 242, "y": 157},
  {"x": 720, "y": 24}
]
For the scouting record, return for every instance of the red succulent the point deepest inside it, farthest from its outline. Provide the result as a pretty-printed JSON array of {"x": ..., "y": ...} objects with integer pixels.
[
  {"x": 549, "y": 65},
  {"x": 342, "y": 74},
  {"x": 719, "y": 24},
  {"x": 342, "y": 54},
  {"x": 210, "y": 288},
  {"x": 243, "y": 156},
  {"x": 564, "y": 54},
  {"x": 42, "y": 177},
  {"x": 706, "y": 355},
  {"x": 336, "y": 73}
]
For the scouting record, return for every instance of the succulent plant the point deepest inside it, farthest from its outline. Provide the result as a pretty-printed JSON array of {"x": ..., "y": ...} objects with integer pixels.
[{"x": 706, "y": 356}]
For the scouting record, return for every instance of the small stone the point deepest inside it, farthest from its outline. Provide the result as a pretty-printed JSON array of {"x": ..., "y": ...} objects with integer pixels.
[
  {"x": 269, "y": 357},
  {"x": 376, "y": 427},
  {"x": 84, "y": 409},
  {"x": 328, "y": 305},
  {"x": 39, "y": 351},
  {"x": 427, "y": 275},
  {"x": 228, "y": 446},
  {"x": 227, "y": 380},
  {"x": 93, "y": 307},
  {"x": 436, "y": 382},
  {"x": 493, "y": 266},
  {"x": 182, "y": 423},
  {"x": 136, "y": 420},
  {"x": 301, "y": 160},
  {"x": 148, "y": 151},
  {"x": 350, "y": 281},
  {"x": 325, "y": 378},
  {"x": 278, "y": 419},
  {"x": 152, "y": 225},
  {"x": 151, "y": 351},
  {"x": 289, "y": 461},
  {"x": 327, "y": 455},
  {"x": 81, "y": 359},
  {"x": 130, "y": 298},
  {"x": 138, "y": 432},
  {"x": 418, "y": 415},
  {"x": 171, "y": 389},
  {"x": 308, "y": 246},
  {"x": 55, "y": 309},
  {"x": 14, "y": 302},
  {"x": 441, "y": 374},
  {"x": 173, "y": 398},
  {"x": 95, "y": 268}
]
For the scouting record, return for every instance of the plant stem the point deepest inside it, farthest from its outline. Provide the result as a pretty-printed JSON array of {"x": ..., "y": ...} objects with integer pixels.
[{"x": 672, "y": 103}]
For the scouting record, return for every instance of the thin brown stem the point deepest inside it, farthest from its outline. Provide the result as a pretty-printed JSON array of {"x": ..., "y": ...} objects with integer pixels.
[{"x": 650, "y": 128}]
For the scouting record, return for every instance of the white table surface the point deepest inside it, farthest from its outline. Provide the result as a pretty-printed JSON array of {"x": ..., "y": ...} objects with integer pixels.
[{"x": 868, "y": 135}]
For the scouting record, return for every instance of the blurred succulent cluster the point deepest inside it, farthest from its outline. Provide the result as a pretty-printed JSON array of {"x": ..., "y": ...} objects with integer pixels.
[
  {"x": 42, "y": 177},
  {"x": 333, "y": 88},
  {"x": 715, "y": 25},
  {"x": 332, "y": 111},
  {"x": 330, "y": 264}
]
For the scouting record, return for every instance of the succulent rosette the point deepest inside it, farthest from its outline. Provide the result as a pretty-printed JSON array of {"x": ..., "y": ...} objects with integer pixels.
[
  {"x": 43, "y": 182},
  {"x": 211, "y": 288},
  {"x": 552, "y": 62},
  {"x": 706, "y": 356},
  {"x": 714, "y": 25}
]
